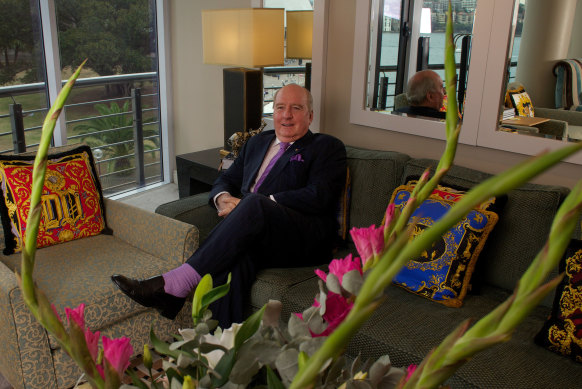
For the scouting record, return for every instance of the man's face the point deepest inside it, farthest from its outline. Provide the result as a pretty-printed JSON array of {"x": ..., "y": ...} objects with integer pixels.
[
  {"x": 291, "y": 115},
  {"x": 437, "y": 96}
]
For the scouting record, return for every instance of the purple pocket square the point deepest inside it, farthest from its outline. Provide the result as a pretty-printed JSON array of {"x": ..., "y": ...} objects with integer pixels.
[{"x": 297, "y": 158}]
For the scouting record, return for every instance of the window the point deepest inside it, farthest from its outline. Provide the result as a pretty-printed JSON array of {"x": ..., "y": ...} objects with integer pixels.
[
  {"x": 408, "y": 36},
  {"x": 115, "y": 105}
]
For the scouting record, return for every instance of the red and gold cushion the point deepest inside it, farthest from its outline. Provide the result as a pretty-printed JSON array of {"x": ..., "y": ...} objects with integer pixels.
[
  {"x": 562, "y": 332},
  {"x": 72, "y": 202}
]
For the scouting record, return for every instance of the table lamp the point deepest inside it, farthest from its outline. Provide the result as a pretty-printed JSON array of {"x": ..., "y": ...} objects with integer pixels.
[
  {"x": 248, "y": 38},
  {"x": 300, "y": 39}
]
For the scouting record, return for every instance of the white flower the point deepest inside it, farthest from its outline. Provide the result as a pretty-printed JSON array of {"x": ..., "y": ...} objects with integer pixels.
[{"x": 224, "y": 338}]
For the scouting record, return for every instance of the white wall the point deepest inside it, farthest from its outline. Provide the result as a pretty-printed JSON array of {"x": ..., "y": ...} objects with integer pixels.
[
  {"x": 576, "y": 42},
  {"x": 196, "y": 88}
]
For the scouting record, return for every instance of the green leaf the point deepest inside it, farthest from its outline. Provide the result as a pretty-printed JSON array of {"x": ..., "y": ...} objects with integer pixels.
[
  {"x": 333, "y": 284},
  {"x": 287, "y": 365},
  {"x": 302, "y": 359},
  {"x": 273, "y": 381},
  {"x": 203, "y": 287},
  {"x": 248, "y": 329},
  {"x": 352, "y": 281},
  {"x": 137, "y": 381},
  {"x": 223, "y": 368},
  {"x": 297, "y": 327},
  {"x": 216, "y": 293}
]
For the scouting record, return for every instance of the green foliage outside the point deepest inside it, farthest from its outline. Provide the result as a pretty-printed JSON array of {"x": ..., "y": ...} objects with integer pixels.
[{"x": 114, "y": 131}]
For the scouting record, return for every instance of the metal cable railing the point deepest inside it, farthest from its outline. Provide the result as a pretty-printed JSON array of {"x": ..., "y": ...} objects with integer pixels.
[{"x": 124, "y": 162}]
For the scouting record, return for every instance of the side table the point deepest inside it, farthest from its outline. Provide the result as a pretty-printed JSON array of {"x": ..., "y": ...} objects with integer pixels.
[{"x": 197, "y": 171}]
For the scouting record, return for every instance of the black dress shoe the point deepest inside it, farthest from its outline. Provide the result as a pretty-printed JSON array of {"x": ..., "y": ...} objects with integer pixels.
[{"x": 150, "y": 293}]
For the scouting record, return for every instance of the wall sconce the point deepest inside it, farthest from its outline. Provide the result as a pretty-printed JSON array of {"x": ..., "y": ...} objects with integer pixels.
[{"x": 248, "y": 38}]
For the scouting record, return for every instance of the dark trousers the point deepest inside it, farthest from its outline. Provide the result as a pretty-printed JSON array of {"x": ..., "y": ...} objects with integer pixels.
[{"x": 257, "y": 234}]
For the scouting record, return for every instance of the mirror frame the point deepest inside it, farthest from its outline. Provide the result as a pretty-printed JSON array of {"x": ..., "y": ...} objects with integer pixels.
[
  {"x": 488, "y": 134},
  {"x": 485, "y": 89}
]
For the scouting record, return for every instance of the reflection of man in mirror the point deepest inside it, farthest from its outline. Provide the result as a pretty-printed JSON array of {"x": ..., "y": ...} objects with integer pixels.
[{"x": 425, "y": 95}]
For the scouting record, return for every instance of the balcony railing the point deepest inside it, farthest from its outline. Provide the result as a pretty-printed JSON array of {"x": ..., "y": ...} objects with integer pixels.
[{"x": 125, "y": 140}]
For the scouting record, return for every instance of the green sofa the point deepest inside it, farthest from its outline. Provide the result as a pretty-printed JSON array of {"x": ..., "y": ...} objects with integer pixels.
[
  {"x": 406, "y": 326},
  {"x": 143, "y": 244}
]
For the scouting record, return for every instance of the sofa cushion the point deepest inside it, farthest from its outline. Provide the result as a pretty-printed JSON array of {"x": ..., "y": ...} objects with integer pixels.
[
  {"x": 443, "y": 272},
  {"x": 89, "y": 264},
  {"x": 343, "y": 208},
  {"x": 406, "y": 327},
  {"x": 72, "y": 202},
  {"x": 519, "y": 99},
  {"x": 374, "y": 176},
  {"x": 562, "y": 332},
  {"x": 522, "y": 228}
]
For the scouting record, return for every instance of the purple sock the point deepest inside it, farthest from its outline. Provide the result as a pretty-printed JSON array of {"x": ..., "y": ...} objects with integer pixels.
[{"x": 181, "y": 281}]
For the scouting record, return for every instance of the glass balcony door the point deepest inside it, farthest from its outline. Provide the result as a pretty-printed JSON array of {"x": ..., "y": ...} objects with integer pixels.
[{"x": 115, "y": 105}]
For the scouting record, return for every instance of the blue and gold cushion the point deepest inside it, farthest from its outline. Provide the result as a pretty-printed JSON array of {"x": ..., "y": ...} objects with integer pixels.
[
  {"x": 562, "y": 332},
  {"x": 443, "y": 272}
]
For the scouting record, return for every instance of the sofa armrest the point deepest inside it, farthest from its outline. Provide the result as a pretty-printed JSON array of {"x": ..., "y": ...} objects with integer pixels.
[
  {"x": 574, "y": 118},
  {"x": 193, "y": 210},
  {"x": 155, "y": 234},
  {"x": 555, "y": 129}
]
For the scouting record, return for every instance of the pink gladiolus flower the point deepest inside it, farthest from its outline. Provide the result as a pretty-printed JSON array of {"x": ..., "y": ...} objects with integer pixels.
[
  {"x": 117, "y": 352},
  {"x": 409, "y": 371},
  {"x": 337, "y": 308},
  {"x": 389, "y": 214},
  {"x": 369, "y": 241},
  {"x": 339, "y": 267},
  {"x": 321, "y": 274},
  {"x": 92, "y": 340},
  {"x": 77, "y": 315}
]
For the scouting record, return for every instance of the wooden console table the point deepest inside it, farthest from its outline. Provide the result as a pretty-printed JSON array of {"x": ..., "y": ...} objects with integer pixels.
[{"x": 197, "y": 171}]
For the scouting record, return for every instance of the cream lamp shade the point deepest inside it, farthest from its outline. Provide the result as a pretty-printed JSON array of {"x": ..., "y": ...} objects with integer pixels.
[
  {"x": 249, "y": 38},
  {"x": 299, "y": 34}
]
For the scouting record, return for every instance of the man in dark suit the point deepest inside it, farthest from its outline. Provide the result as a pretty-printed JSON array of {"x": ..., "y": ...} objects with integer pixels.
[
  {"x": 425, "y": 95},
  {"x": 279, "y": 201}
]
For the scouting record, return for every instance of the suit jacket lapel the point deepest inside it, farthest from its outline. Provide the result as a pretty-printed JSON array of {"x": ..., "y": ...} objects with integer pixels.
[{"x": 295, "y": 149}]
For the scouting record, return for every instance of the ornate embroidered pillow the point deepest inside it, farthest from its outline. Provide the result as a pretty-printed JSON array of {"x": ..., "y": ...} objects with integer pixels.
[
  {"x": 562, "y": 332},
  {"x": 520, "y": 101},
  {"x": 72, "y": 202},
  {"x": 443, "y": 272}
]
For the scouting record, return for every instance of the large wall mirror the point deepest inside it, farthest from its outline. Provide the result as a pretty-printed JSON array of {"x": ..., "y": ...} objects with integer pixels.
[
  {"x": 394, "y": 39},
  {"x": 542, "y": 80},
  {"x": 407, "y": 37}
]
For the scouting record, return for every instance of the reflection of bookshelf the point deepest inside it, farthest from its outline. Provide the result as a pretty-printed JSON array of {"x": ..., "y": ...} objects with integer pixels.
[{"x": 525, "y": 121}]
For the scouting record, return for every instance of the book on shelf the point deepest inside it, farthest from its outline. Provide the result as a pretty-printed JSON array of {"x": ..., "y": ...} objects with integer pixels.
[{"x": 507, "y": 113}]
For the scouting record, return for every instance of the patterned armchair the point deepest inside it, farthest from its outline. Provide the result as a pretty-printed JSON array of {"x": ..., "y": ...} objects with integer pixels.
[{"x": 143, "y": 244}]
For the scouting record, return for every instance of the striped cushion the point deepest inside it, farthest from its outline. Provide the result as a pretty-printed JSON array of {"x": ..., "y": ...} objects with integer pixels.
[{"x": 568, "y": 74}]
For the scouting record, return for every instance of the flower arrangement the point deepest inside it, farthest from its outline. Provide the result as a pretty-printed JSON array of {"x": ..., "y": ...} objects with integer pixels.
[{"x": 307, "y": 353}]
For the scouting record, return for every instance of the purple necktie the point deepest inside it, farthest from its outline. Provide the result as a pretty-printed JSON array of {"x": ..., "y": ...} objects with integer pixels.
[{"x": 282, "y": 147}]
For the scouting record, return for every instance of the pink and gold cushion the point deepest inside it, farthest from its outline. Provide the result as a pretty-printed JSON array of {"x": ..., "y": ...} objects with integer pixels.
[
  {"x": 71, "y": 204},
  {"x": 562, "y": 332}
]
